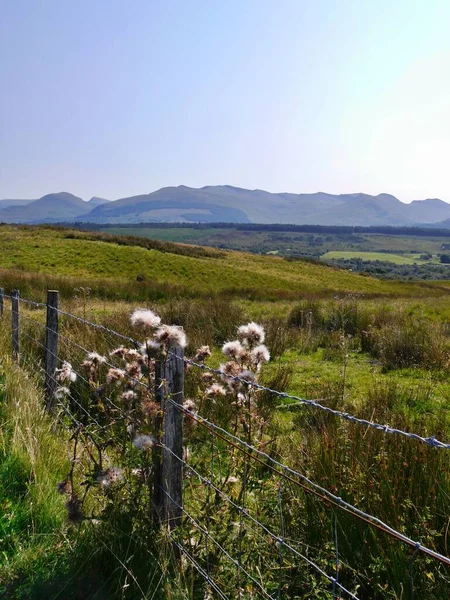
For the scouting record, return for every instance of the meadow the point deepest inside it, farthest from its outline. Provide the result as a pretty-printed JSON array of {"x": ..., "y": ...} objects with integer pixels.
[
  {"x": 288, "y": 243},
  {"x": 374, "y": 348},
  {"x": 398, "y": 259},
  {"x": 135, "y": 269}
]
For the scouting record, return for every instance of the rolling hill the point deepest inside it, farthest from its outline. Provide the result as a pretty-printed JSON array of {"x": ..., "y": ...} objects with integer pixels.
[
  {"x": 136, "y": 268},
  {"x": 228, "y": 204}
]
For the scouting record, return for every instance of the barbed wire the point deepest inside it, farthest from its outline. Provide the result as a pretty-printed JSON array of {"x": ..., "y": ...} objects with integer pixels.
[
  {"x": 210, "y": 537},
  {"x": 244, "y": 512},
  {"x": 198, "y": 568},
  {"x": 432, "y": 440},
  {"x": 337, "y": 500}
]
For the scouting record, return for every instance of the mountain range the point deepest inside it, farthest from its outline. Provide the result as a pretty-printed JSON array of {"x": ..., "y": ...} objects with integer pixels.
[{"x": 228, "y": 204}]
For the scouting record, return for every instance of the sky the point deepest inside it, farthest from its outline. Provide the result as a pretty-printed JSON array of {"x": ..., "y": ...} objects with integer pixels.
[{"x": 116, "y": 98}]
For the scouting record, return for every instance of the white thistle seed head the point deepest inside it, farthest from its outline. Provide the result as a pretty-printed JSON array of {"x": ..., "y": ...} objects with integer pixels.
[
  {"x": 95, "y": 358},
  {"x": 143, "y": 317},
  {"x": 171, "y": 335},
  {"x": 234, "y": 350},
  {"x": 260, "y": 354},
  {"x": 251, "y": 334},
  {"x": 216, "y": 390},
  {"x": 143, "y": 442},
  {"x": 62, "y": 392},
  {"x": 115, "y": 375}
]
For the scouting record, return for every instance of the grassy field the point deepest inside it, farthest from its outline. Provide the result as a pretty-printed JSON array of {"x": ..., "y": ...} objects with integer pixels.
[
  {"x": 47, "y": 254},
  {"x": 398, "y": 259},
  {"x": 288, "y": 243},
  {"x": 377, "y": 349}
]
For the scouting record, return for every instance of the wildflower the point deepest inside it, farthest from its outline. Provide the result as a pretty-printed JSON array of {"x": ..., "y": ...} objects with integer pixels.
[
  {"x": 131, "y": 354},
  {"x": 100, "y": 391},
  {"x": 150, "y": 348},
  {"x": 260, "y": 354},
  {"x": 120, "y": 352},
  {"x": 248, "y": 376},
  {"x": 110, "y": 477},
  {"x": 191, "y": 419},
  {"x": 229, "y": 369},
  {"x": 208, "y": 378},
  {"x": 139, "y": 473},
  {"x": 251, "y": 334},
  {"x": 234, "y": 350},
  {"x": 142, "y": 317},
  {"x": 232, "y": 479},
  {"x": 202, "y": 354},
  {"x": 128, "y": 395},
  {"x": 61, "y": 393},
  {"x": 189, "y": 404},
  {"x": 143, "y": 442},
  {"x": 115, "y": 375},
  {"x": 95, "y": 358},
  {"x": 133, "y": 370},
  {"x": 66, "y": 373},
  {"x": 73, "y": 506},
  {"x": 216, "y": 390},
  {"x": 151, "y": 409},
  {"x": 171, "y": 335}
]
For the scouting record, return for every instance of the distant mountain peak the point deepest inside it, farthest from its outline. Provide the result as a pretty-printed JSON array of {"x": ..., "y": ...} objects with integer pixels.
[{"x": 227, "y": 203}]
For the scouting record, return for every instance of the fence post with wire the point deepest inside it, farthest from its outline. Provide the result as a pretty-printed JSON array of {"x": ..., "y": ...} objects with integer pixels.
[
  {"x": 15, "y": 295},
  {"x": 51, "y": 347},
  {"x": 168, "y": 468}
]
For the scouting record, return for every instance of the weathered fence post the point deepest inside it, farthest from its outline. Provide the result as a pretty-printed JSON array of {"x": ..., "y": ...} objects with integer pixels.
[
  {"x": 51, "y": 347},
  {"x": 168, "y": 490},
  {"x": 15, "y": 323},
  {"x": 2, "y": 292},
  {"x": 172, "y": 467},
  {"x": 157, "y": 496}
]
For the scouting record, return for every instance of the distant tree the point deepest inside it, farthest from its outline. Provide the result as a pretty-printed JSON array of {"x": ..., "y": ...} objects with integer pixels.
[{"x": 445, "y": 259}]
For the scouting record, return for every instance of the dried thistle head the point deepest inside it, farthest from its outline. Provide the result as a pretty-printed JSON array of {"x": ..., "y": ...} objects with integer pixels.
[
  {"x": 251, "y": 334},
  {"x": 144, "y": 442},
  {"x": 208, "y": 378},
  {"x": 73, "y": 506},
  {"x": 202, "y": 354},
  {"x": 216, "y": 390},
  {"x": 115, "y": 375},
  {"x": 171, "y": 336},
  {"x": 234, "y": 350},
  {"x": 145, "y": 318}
]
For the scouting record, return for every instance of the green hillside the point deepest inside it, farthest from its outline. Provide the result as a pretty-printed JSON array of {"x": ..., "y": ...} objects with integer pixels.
[{"x": 65, "y": 253}]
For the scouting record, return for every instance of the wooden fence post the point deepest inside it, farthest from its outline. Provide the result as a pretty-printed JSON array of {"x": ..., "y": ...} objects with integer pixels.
[
  {"x": 157, "y": 496},
  {"x": 168, "y": 491},
  {"x": 2, "y": 292},
  {"x": 172, "y": 467},
  {"x": 51, "y": 347},
  {"x": 15, "y": 323}
]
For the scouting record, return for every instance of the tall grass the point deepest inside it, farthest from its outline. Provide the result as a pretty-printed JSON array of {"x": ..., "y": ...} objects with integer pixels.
[
  {"x": 43, "y": 556},
  {"x": 400, "y": 481}
]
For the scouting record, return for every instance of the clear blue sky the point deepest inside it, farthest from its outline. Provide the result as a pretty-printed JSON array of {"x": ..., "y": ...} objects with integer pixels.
[{"x": 115, "y": 98}]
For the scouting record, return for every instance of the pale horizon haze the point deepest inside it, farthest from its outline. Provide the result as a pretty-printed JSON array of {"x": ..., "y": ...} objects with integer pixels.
[{"x": 117, "y": 98}]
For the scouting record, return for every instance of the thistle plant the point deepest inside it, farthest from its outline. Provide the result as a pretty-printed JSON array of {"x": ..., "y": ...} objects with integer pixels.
[{"x": 115, "y": 446}]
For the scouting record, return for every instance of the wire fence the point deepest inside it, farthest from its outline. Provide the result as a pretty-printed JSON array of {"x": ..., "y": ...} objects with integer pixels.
[{"x": 242, "y": 519}]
